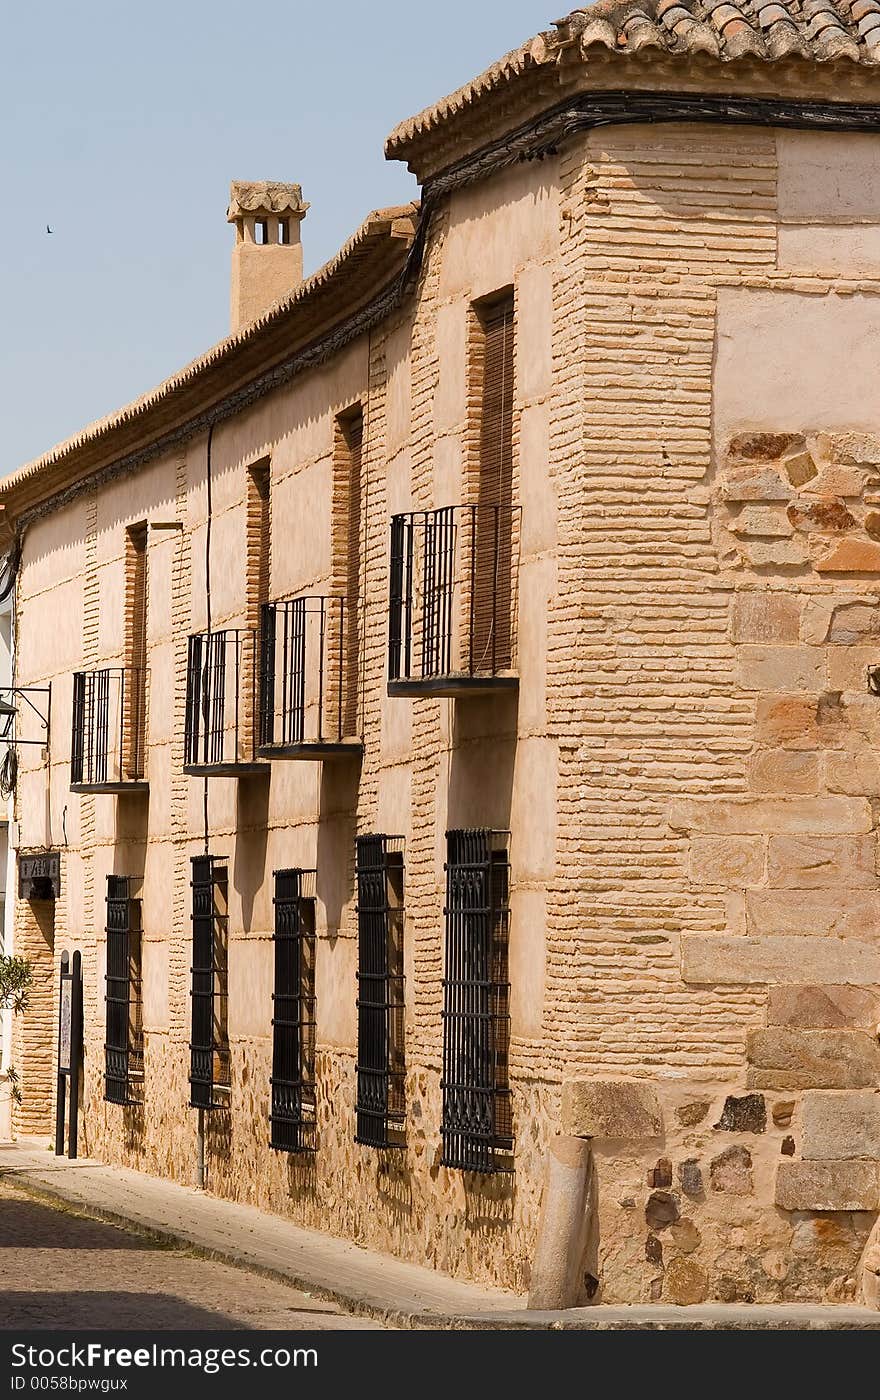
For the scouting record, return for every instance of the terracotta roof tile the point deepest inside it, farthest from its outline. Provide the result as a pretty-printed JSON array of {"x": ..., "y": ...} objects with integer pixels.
[
  {"x": 820, "y": 29},
  {"x": 824, "y": 31}
]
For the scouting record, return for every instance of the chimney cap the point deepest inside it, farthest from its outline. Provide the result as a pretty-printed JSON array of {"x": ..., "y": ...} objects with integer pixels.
[{"x": 264, "y": 197}]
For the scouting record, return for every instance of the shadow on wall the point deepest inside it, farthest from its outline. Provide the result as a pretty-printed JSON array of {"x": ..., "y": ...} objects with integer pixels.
[
  {"x": 302, "y": 1176},
  {"x": 394, "y": 1184},
  {"x": 337, "y": 828},
  {"x": 252, "y": 828},
  {"x": 131, "y": 821},
  {"x": 134, "y": 1123},
  {"x": 481, "y": 762}
]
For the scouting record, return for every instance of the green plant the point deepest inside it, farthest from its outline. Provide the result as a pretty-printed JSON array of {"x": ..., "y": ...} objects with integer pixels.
[
  {"x": 16, "y": 976},
  {"x": 12, "y": 1081}
]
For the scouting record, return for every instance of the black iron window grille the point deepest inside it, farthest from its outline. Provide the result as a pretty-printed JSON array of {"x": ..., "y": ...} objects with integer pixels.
[
  {"x": 220, "y": 718},
  {"x": 292, "y": 1115},
  {"x": 107, "y": 736},
  {"x": 452, "y": 598},
  {"x": 209, "y": 1042},
  {"x": 477, "y": 1124},
  {"x": 124, "y": 1042},
  {"x": 303, "y": 677},
  {"x": 381, "y": 1067}
]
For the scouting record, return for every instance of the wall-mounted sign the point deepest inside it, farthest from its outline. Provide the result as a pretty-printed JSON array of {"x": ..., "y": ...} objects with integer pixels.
[
  {"x": 39, "y": 876},
  {"x": 65, "y": 1024}
]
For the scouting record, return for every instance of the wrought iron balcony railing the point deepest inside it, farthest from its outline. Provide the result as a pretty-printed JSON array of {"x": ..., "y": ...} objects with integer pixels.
[
  {"x": 453, "y": 594},
  {"x": 308, "y": 680},
  {"x": 221, "y": 712},
  {"x": 107, "y": 737}
]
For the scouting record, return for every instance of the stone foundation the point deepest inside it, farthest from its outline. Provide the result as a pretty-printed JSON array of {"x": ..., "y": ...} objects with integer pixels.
[{"x": 398, "y": 1201}]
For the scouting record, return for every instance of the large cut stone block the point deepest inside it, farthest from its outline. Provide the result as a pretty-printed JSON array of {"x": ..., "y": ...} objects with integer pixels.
[
  {"x": 765, "y": 617},
  {"x": 781, "y": 1058},
  {"x": 610, "y": 1108},
  {"x": 841, "y": 1125},
  {"x": 852, "y": 623},
  {"x": 840, "y": 913},
  {"x": 857, "y": 774},
  {"x": 789, "y": 721},
  {"x": 728, "y": 959},
  {"x": 820, "y": 816},
  {"x": 784, "y": 770},
  {"x": 848, "y": 666},
  {"x": 734, "y": 861},
  {"x": 823, "y": 1008},
  {"x": 822, "y": 862},
  {"x": 827, "y": 1186},
  {"x": 780, "y": 668}
]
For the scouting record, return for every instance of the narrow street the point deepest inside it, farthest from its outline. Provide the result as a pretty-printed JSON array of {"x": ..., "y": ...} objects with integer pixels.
[{"x": 60, "y": 1269}]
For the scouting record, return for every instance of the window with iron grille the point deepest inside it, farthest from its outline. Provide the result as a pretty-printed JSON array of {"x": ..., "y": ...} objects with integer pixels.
[
  {"x": 292, "y": 1115},
  {"x": 209, "y": 1043},
  {"x": 477, "y": 1125},
  {"x": 124, "y": 1040},
  {"x": 380, "y": 1063}
]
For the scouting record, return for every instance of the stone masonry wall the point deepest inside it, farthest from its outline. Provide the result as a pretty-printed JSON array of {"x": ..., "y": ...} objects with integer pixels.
[{"x": 717, "y": 905}]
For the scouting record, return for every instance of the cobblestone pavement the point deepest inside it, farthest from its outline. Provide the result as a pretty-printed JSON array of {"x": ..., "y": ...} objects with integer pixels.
[{"x": 58, "y": 1269}]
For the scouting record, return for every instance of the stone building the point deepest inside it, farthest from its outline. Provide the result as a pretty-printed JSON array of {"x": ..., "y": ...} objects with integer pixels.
[{"x": 475, "y": 653}]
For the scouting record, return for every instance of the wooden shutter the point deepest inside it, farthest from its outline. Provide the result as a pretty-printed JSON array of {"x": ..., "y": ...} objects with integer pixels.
[
  {"x": 258, "y": 541},
  {"x": 257, "y": 695},
  {"x": 493, "y": 534},
  {"x": 134, "y": 682},
  {"x": 352, "y": 428}
]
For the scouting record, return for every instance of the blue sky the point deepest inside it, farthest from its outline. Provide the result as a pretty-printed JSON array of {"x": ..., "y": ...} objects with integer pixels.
[{"x": 121, "y": 126}]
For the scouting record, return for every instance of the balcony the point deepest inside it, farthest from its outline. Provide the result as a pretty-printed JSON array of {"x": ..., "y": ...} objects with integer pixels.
[
  {"x": 452, "y": 612},
  {"x": 308, "y": 680},
  {"x": 107, "y": 738},
  {"x": 221, "y": 718}
]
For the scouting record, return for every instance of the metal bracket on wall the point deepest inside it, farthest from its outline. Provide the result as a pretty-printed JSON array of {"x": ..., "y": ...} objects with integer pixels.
[{"x": 31, "y": 704}]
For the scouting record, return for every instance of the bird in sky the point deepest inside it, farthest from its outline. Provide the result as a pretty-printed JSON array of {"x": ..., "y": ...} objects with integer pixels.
[{"x": 49, "y": 230}]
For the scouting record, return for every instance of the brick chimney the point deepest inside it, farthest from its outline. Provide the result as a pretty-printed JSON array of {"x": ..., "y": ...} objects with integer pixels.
[{"x": 267, "y": 260}]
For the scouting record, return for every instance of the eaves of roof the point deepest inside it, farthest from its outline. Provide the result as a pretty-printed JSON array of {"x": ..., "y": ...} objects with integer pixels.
[
  {"x": 827, "y": 48},
  {"x": 371, "y": 259}
]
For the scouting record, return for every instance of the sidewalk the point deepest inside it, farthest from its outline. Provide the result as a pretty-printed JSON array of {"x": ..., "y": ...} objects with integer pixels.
[{"x": 367, "y": 1284}]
